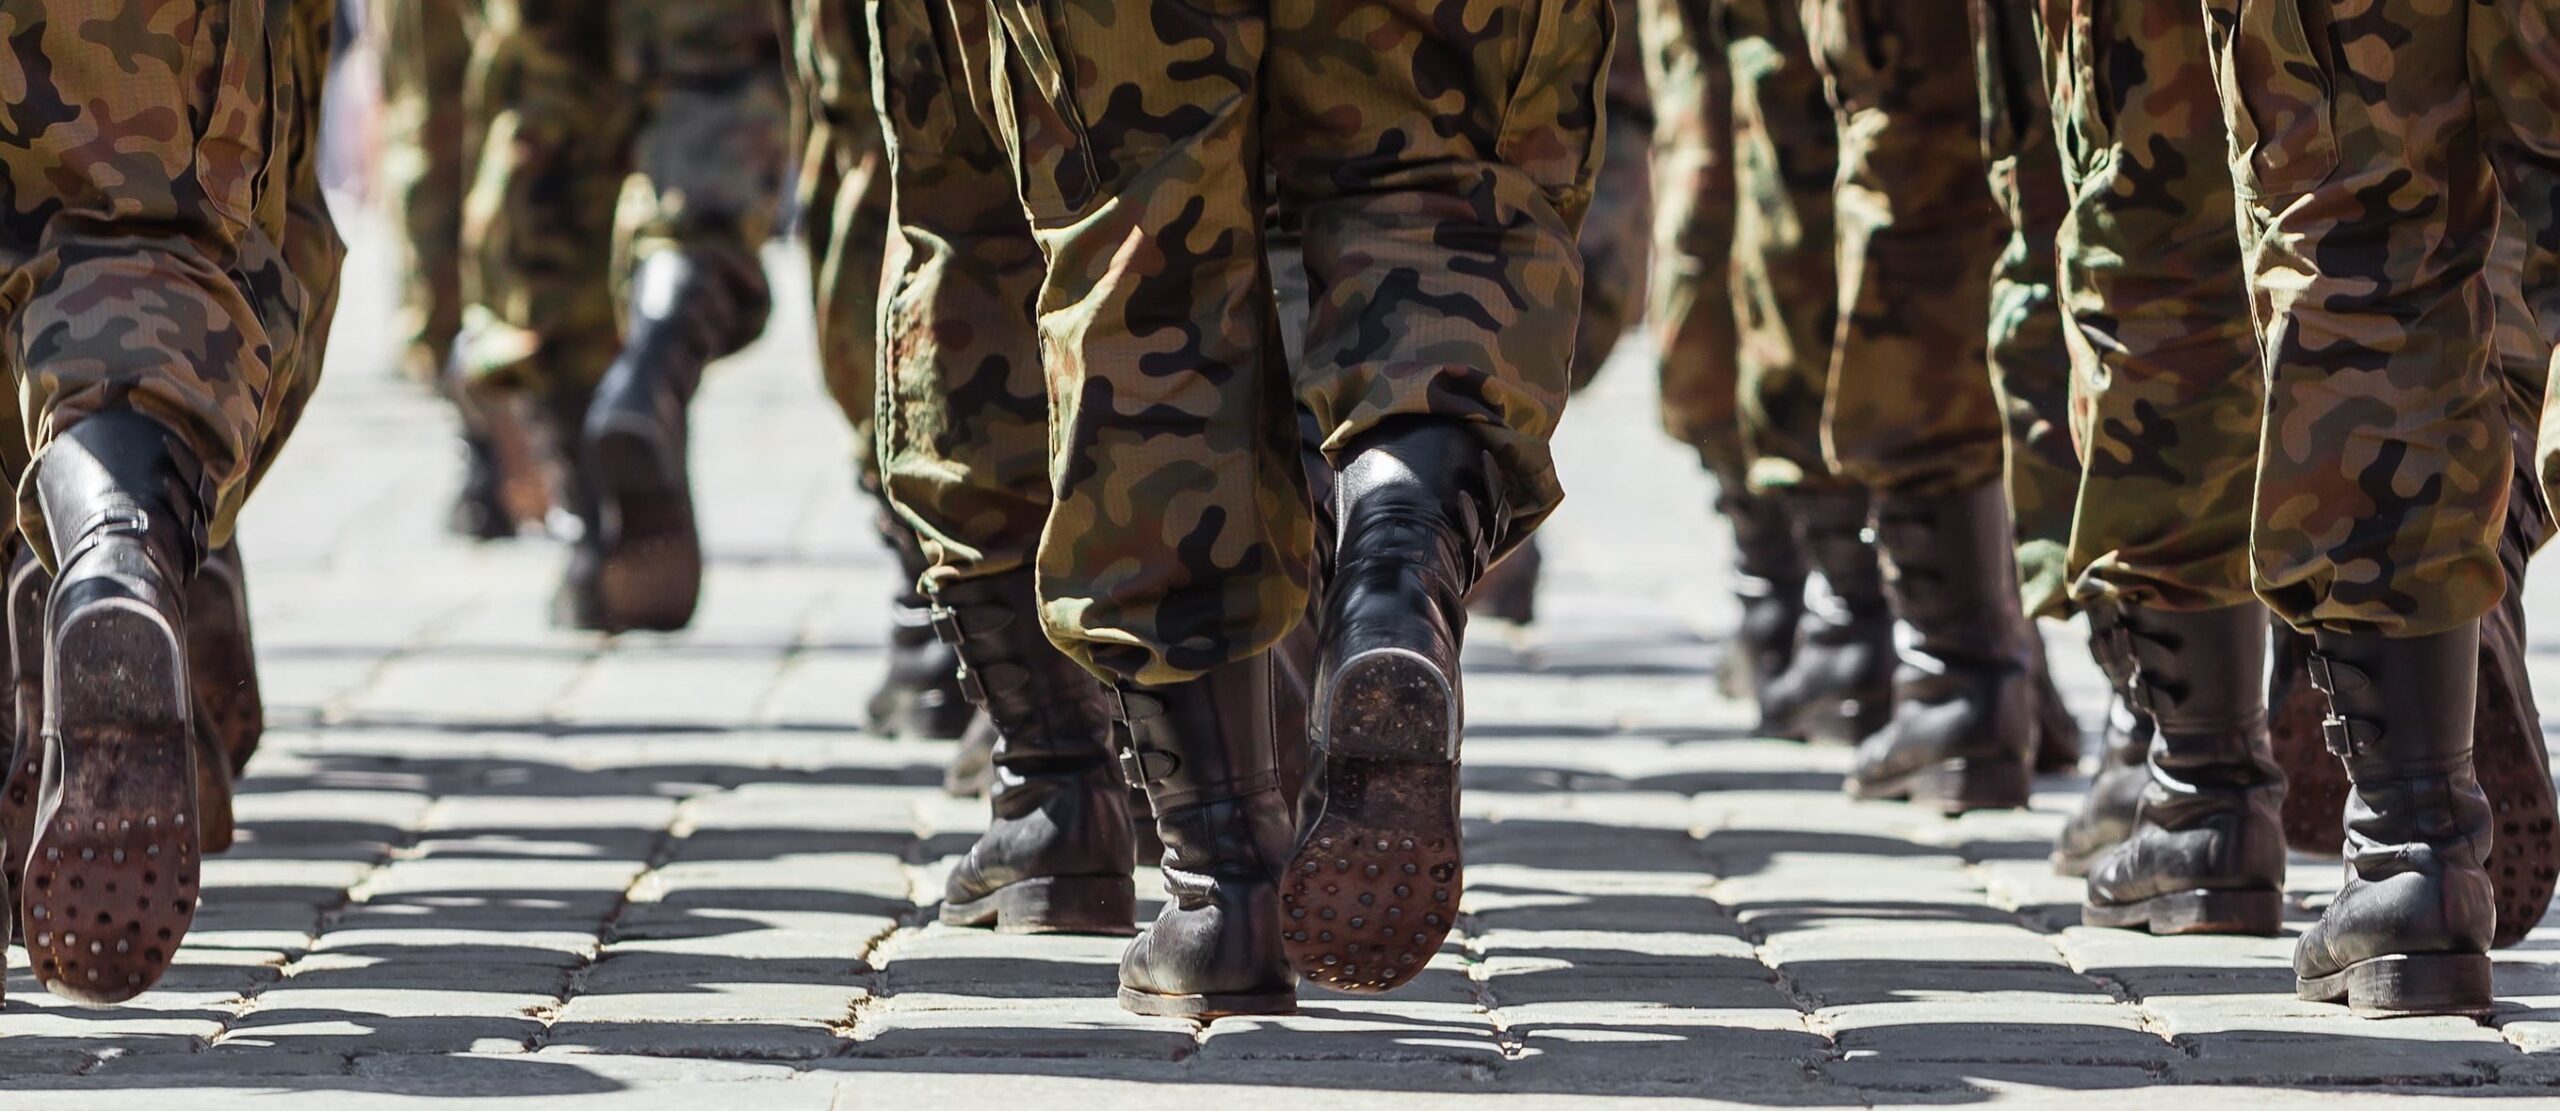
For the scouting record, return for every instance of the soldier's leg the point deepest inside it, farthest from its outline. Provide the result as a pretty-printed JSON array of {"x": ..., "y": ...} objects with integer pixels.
[
  {"x": 2383, "y": 481},
  {"x": 426, "y": 59},
  {"x": 1911, "y": 414},
  {"x": 1692, "y": 314},
  {"x": 1181, "y": 541},
  {"x": 710, "y": 147},
  {"x": 2030, "y": 363},
  {"x": 1838, "y": 684},
  {"x": 144, "y": 430},
  {"x": 963, "y": 425}
]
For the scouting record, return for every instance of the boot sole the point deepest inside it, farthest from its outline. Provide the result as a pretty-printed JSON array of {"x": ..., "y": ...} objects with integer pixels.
[
  {"x": 652, "y": 573},
  {"x": 1103, "y": 905},
  {"x": 2256, "y": 913},
  {"x": 2524, "y": 856},
  {"x": 1954, "y": 787},
  {"x": 1207, "y": 1007},
  {"x": 112, "y": 875},
  {"x": 1373, "y": 889},
  {"x": 2406, "y": 985}
]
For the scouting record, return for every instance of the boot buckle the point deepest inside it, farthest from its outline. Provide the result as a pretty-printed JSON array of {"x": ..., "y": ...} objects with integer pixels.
[
  {"x": 2343, "y": 736},
  {"x": 946, "y": 625},
  {"x": 1142, "y": 766}
]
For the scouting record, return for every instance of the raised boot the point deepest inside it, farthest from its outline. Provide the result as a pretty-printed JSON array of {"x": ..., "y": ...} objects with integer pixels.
[
  {"x": 919, "y": 695},
  {"x": 636, "y": 443},
  {"x": 1055, "y": 857},
  {"x": 2409, "y": 933},
  {"x": 1419, "y": 512},
  {"x": 1838, "y": 685},
  {"x": 558, "y": 414},
  {"x": 2206, "y": 854},
  {"x": 112, "y": 870},
  {"x": 1963, "y": 730},
  {"x": 480, "y": 507},
  {"x": 1769, "y": 575},
  {"x": 1203, "y": 751},
  {"x": 2106, "y": 813}
]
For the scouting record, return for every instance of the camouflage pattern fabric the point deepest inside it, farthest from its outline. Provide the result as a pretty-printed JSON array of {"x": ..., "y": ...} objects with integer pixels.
[
  {"x": 2169, "y": 398},
  {"x": 2030, "y": 361},
  {"x": 2371, "y": 141},
  {"x": 616, "y": 128},
  {"x": 1785, "y": 272},
  {"x": 1910, "y": 408},
  {"x": 964, "y": 409},
  {"x": 1617, "y": 234},
  {"x": 426, "y": 163},
  {"x": 844, "y": 201},
  {"x": 186, "y": 271},
  {"x": 1443, "y": 152},
  {"x": 1692, "y": 292}
]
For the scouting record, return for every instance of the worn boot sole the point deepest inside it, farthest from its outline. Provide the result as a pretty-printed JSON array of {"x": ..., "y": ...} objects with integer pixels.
[
  {"x": 2405, "y": 985},
  {"x": 1207, "y": 1007},
  {"x": 1954, "y": 787},
  {"x": 111, "y": 877},
  {"x": 1104, "y": 905},
  {"x": 652, "y": 573},
  {"x": 1373, "y": 889},
  {"x": 2507, "y": 755},
  {"x": 2257, "y": 913}
]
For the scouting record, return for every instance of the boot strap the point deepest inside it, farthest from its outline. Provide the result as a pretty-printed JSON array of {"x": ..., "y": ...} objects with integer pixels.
[{"x": 2342, "y": 735}]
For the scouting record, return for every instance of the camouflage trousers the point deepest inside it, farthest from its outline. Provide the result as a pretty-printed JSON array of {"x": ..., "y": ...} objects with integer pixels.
[
  {"x": 1443, "y": 152},
  {"x": 1785, "y": 272},
  {"x": 2199, "y": 444},
  {"x": 963, "y": 409},
  {"x": 426, "y": 162},
  {"x": 1617, "y": 233},
  {"x": 2030, "y": 358},
  {"x": 1692, "y": 291},
  {"x": 844, "y": 201},
  {"x": 2371, "y": 141},
  {"x": 615, "y": 129},
  {"x": 187, "y": 272}
]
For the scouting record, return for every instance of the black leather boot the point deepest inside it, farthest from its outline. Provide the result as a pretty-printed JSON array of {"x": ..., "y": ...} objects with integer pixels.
[
  {"x": 2409, "y": 933},
  {"x": 1055, "y": 858},
  {"x": 2106, "y": 813},
  {"x": 636, "y": 444},
  {"x": 1838, "y": 686},
  {"x": 2206, "y": 854},
  {"x": 1419, "y": 512},
  {"x": 2509, "y": 757},
  {"x": 1768, "y": 579},
  {"x": 919, "y": 694},
  {"x": 112, "y": 871},
  {"x": 557, "y": 416},
  {"x": 1963, "y": 731},
  {"x": 1204, "y": 753}
]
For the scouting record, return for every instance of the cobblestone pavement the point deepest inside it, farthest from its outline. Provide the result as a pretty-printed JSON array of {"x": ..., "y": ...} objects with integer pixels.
[{"x": 487, "y": 860}]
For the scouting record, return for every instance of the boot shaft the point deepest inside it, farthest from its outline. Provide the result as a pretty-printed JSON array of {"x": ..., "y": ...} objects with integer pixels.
[
  {"x": 1950, "y": 569},
  {"x": 118, "y": 471},
  {"x": 2198, "y": 679},
  {"x": 1204, "y": 753},
  {"x": 2401, "y": 714},
  {"x": 1832, "y": 531},
  {"x": 1048, "y": 713}
]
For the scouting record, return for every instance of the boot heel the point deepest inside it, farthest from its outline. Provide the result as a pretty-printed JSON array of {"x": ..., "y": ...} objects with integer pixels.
[
  {"x": 1961, "y": 785},
  {"x": 652, "y": 574},
  {"x": 1101, "y": 905},
  {"x": 1206, "y": 1007},
  {"x": 2407, "y": 984},
  {"x": 2256, "y": 913},
  {"x": 1392, "y": 704}
]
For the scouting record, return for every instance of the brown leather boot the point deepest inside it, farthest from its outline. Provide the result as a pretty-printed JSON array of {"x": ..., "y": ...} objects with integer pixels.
[
  {"x": 2409, "y": 933},
  {"x": 2205, "y": 854},
  {"x": 1055, "y": 857},
  {"x": 1963, "y": 731},
  {"x": 1203, "y": 751}
]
